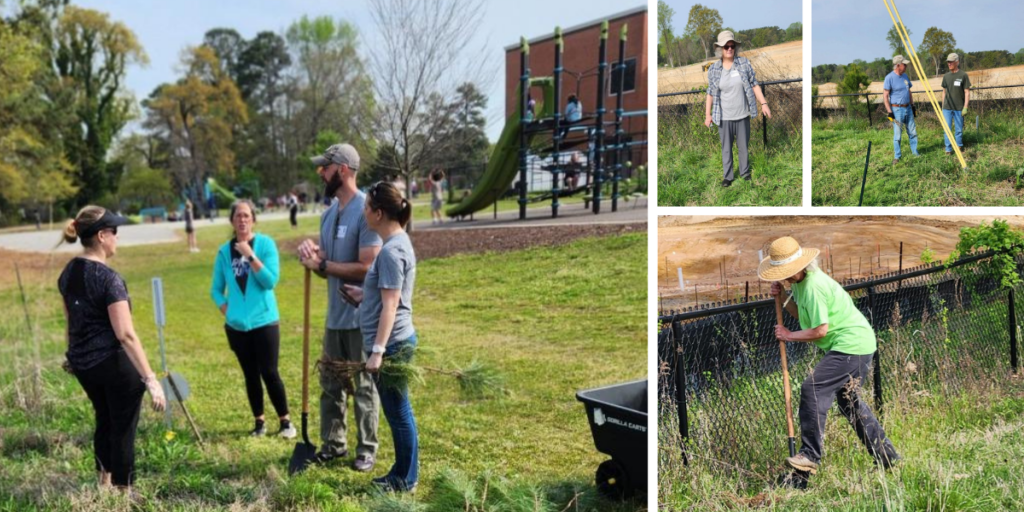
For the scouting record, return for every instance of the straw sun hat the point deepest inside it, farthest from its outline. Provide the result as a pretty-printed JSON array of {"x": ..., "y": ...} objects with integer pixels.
[{"x": 785, "y": 259}]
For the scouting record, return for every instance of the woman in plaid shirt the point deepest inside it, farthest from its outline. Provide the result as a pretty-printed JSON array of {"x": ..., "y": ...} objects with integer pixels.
[{"x": 733, "y": 96}]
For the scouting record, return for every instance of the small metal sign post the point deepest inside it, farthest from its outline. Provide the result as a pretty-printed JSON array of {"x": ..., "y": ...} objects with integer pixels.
[{"x": 174, "y": 384}]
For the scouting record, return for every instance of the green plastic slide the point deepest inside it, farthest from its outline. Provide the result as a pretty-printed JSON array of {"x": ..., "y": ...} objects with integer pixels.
[
  {"x": 214, "y": 186},
  {"x": 504, "y": 163}
]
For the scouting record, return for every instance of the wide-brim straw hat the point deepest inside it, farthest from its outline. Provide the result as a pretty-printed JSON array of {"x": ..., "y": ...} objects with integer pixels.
[
  {"x": 785, "y": 259},
  {"x": 725, "y": 36}
]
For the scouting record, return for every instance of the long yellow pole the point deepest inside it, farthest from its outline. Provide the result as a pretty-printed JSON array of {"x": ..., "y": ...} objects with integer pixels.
[{"x": 905, "y": 37}]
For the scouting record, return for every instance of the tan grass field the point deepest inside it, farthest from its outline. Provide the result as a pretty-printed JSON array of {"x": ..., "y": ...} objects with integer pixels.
[
  {"x": 779, "y": 61},
  {"x": 1012, "y": 75}
]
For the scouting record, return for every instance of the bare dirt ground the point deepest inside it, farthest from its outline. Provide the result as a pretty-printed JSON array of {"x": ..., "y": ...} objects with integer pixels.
[
  {"x": 1012, "y": 75},
  {"x": 780, "y": 61},
  {"x": 713, "y": 251}
]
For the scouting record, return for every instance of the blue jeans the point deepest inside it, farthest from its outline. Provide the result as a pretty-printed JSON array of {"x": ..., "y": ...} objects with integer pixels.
[
  {"x": 958, "y": 117},
  {"x": 398, "y": 411},
  {"x": 904, "y": 117}
]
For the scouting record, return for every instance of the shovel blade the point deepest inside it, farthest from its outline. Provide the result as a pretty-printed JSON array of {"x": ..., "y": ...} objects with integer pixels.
[{"x": 303, "y": 456}]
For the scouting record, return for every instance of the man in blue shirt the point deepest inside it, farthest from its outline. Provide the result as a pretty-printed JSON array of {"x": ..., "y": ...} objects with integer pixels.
[{"x": 899, "y": 103}]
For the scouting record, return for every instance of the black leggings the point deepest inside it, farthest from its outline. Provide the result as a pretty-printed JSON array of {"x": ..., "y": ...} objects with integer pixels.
[
  {"x": 257, "y": 352},
  {"x": 115, "y": 389}
]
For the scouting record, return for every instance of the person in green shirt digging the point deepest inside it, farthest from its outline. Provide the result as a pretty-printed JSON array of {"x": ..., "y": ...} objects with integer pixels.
[
  {"x": 829, "y": 318},
  {"x": 956, "y": 94}
]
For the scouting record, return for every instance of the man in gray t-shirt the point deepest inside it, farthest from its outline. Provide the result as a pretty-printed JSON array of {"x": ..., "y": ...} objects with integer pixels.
[
  {"x": 394, "y": 269},
  {"x": 346, "y": 249}
]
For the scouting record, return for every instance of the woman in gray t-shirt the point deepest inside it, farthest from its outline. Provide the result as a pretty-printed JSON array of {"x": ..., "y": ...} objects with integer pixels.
[
  {"x": 385, "y": 319},
  {"x": 733, "y": 97}
]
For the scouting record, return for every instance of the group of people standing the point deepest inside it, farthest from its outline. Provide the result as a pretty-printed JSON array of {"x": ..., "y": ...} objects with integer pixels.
[
  {"x": 899, "y": 104},
  {"x": 369, "y": 264}
]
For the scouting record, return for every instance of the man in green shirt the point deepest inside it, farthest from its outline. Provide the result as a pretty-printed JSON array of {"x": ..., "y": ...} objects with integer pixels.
[
  {"x": 828, "y": 318},
  {"x": 956, "y": 94}
]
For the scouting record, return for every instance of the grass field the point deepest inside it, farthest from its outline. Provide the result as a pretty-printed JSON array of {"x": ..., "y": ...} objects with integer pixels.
[
  {"x": 994, "y": 156},
  {"x": 690, "y": 165},
  {"x": 552, "y": 320}
]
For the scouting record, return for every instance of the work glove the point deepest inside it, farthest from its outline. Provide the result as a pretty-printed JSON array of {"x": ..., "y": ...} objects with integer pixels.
[
  {"x": 891, "y": 118},
  {"x": 156, "y": 392},
  {"x": 913, "y": 108}
]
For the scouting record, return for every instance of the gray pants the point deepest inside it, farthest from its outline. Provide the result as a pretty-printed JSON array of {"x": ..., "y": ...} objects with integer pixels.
[
  {"x": 839, "y": 377},
  {"x": 739, "y": 132},
  {"x": 347, "y": 345}
]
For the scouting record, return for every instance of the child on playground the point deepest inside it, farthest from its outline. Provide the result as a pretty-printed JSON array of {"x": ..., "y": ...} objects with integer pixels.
[{"x": 436, "y": 196}]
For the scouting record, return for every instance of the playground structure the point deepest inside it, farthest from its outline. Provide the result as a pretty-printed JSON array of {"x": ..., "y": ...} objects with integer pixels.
[{"x": 523, "y": 145}]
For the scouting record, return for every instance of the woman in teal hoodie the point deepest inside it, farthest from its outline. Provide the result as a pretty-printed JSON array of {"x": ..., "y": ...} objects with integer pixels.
[{"x": 244, "y": 276}]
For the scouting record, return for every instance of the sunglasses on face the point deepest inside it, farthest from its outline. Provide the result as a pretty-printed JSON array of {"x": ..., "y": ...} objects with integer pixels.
[
  {"x": 730, "y": 47},
  {"x": 113, "y": 230}
]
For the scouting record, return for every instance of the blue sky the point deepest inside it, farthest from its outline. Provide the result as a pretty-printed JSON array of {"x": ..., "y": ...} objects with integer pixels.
[
  {"x": 740, "y": 14},
  {"x": 844, "y": 30},
  {"x": 165, "y": 28}
]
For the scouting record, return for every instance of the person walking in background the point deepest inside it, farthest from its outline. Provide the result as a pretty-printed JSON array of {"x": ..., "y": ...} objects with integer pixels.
[
  {"x": 436, "y": 196},
  {"x": 828, "y": 318},
  {"x": 956, "y": 95},
  {"x": 293, "y": 209},
  {"x": 733, "y": 96},
  {"x": 104, "y": 352},
  {"x": 385, "y": 317},
  {"x": 343, "y": 255},
  {"x": 244, "y": 276},
  {"x": 899, "y": 104},
  {"x": 190, "y": 228}
]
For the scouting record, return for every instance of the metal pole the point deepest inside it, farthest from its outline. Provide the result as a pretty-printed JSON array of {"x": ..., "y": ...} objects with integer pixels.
[
  {"x": 599, "y": 122},
  {"x": 1013, "y": 333},
  {"x": 557, "y": 139},
  {"x": 867, "y": 101},
  {"x": 764, "y": 118},
  {"x": 865, "y": 179},
  {"x": 524, "y": 105},
  {"x": 684, "y": 421},
  {"x": 877, "y": 362},
  {"x": 618, "y": 119}
]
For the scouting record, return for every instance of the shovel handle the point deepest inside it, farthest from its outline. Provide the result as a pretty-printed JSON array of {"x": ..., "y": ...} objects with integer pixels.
[
  {"x": 305, "y": 345},
  {"x": 785, "y": 378}
]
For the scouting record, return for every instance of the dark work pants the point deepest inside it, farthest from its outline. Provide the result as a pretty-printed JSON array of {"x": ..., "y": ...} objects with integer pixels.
[
  {"x": 257, "y": 353},
  {"x": 739, "y": 132},
  {"x": 839, "y": 377},
  {"x": 115, "y": 389},
  {"x": 292, "y": 212}
]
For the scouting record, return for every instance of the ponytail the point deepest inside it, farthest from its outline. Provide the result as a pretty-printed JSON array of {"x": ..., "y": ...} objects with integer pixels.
[
  {"x": 85, "y": 218},
  {"x": 405, "y": 213},
  {"x": 385, "y": 198}
]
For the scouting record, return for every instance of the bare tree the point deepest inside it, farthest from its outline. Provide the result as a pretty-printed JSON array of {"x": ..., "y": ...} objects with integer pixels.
[{"x": 421, "y": 60}]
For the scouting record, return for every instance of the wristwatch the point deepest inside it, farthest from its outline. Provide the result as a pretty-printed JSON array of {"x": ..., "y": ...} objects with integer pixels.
[
  {"x": 377, "y": 349},
  {"x": 323, "y": 266}
]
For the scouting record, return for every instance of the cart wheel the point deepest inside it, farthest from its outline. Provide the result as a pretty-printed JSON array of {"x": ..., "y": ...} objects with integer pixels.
[{"x": 613, "y": 481}]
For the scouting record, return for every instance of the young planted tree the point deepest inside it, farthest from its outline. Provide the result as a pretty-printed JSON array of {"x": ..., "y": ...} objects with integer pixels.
[
  {"x": 704, "y": 23},
  {"x": 853, "y": 82},
  {"x": 936, "y": 45}
]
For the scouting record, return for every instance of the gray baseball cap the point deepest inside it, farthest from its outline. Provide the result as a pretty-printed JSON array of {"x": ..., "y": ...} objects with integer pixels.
[
  {"x": 953, "y": 58},
  {"x": 338, "y": 154},
  {"x": 899, "y": 60}
]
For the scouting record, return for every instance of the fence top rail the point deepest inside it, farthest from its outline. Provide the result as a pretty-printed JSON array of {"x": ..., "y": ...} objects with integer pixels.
[
  {"x": 912, "y": 92},
  {"x": 774, "y": 82},
  {"x": 688, "y": 315}
]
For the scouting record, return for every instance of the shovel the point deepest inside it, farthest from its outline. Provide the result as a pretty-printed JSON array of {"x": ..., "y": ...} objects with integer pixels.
[
  {"x": 305, "y": 451},
  {"x": 785, "y": 379}
]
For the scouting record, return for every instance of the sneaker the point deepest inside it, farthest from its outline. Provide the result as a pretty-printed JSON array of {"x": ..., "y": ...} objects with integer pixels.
[
  {"x": 260, "y": 430},
  {"x": 961, "y": 149},
  {"x": 386, "y": 484},
  {"x": 895, "y": 161},
  {"x": 800, "y": 462},
  {"x": 326, "y": 455},
  {"x": 726, "y": 183},
  {"x": 748, "y": 178},
  {"x": 363, "y": 463},
  {"x": 949, "y": 153},
  {"x": 887, "y": 462},
  {"x": 288, "y": 430}
]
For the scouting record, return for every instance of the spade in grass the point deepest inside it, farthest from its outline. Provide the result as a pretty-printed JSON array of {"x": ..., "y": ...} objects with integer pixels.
[{"x": 305, "y": 451}]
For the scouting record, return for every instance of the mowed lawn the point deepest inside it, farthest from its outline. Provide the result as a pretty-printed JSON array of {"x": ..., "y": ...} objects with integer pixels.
[
  {"x": 551, "y": 320},
  {"x": 994, "y": 155}
]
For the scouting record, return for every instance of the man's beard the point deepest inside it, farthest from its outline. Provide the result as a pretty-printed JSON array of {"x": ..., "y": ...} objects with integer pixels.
[{"x": 333, "y": 185}]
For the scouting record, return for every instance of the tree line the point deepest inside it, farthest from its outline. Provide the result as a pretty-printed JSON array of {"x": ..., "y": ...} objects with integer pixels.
[
  {"x": 247, "y": 112},
  {"x": 932, "y": 51},
  {"x": 703, "y": 24}
]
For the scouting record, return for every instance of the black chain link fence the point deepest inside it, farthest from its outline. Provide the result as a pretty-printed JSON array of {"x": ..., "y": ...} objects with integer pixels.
[
  {"x": 681, "y": 118},
  {"x": 940, "y": 332},
  {"x": 984, "y": 101}
]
